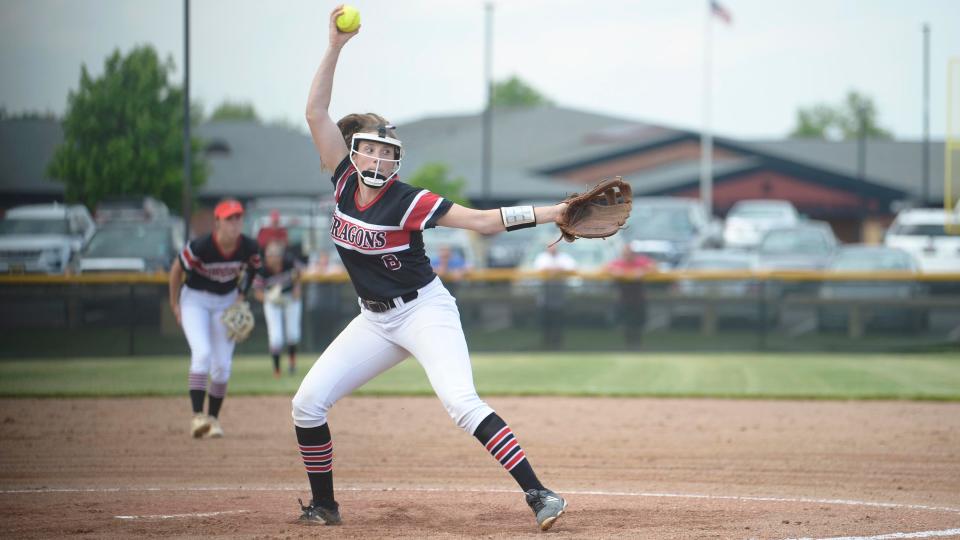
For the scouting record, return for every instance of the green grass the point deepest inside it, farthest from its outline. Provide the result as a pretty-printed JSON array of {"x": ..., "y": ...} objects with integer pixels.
[{"x": 747, "y": 375}]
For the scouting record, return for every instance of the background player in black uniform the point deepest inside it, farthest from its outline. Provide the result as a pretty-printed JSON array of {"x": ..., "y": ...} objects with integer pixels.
[
  {"x": 213, "y": 265},
  {"x": 405, "y": 310},
  {"x": 277, "y": 287}
]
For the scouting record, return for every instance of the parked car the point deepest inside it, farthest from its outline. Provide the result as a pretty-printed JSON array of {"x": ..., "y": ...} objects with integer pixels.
[
  {"x": 506, "y": 249},
  {"x": 666, "y": 229},
  {"x": 803, "y": 247},
  {"x": 130, "y": 246},
  {"x": 923, "y": 232},
  {"x": 43, "y": 237},
  {"x": 131, "y": 209},
  {"x": 808, "y": 246},
  {"x": 874, "y": 259},
  {"x": 748, "y": 220},
  {"x": 730, "y": 298},
  {"x": 460, "y": 241}
]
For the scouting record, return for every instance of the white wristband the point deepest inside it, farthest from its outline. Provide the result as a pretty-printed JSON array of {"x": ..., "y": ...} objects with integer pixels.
[{"x": 518, "y": 217}]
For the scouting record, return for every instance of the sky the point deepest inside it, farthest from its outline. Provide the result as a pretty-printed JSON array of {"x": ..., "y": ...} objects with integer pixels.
[{"x": 641, "y": 60}]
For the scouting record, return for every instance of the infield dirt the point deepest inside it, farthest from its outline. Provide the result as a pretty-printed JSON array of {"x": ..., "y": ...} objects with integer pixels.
[{"x": 630, "y": 468}]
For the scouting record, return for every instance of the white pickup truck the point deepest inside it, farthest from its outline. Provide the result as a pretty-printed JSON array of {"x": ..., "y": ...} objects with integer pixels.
[{"x": 43, "y": 237}]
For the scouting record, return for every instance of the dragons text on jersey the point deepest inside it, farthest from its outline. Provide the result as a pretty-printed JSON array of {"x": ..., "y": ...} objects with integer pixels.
[
  {"x": 210, "y": 269},
  {"x": 381, "y": 243}
]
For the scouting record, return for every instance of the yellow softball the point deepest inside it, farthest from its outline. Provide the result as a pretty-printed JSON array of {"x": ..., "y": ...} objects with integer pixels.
[{"x": 348, "y": 20}]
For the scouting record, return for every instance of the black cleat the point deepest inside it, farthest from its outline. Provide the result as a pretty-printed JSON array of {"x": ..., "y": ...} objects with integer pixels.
[
  {"x": 546, "y": 505},
  {"x": 314, "y": 514}
]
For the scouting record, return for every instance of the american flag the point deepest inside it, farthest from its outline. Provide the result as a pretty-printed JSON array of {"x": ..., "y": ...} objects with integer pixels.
[{"x": 720, "y": 11}]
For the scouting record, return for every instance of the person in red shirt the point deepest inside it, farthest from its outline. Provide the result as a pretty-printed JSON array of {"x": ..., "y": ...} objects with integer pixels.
[
  {"x": 631, "y": 264},
  {"x": 629, "y": 269},
  {"x": 273, "y": 233}
]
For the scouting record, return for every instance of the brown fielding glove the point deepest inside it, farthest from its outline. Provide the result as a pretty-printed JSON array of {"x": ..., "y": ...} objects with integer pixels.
[
  {"x": 239, "y": 321},
  {"x": 598, "y": 213}
]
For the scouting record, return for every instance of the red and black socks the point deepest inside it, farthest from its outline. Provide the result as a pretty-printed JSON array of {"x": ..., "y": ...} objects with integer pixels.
[
  {"x": 497, "y": 437},
  {"x": 292, "y": 352},
  {"x": 198, "y": 391},
  {"x": 316, "y": 449},
  {"x": 217, "y": 392}
]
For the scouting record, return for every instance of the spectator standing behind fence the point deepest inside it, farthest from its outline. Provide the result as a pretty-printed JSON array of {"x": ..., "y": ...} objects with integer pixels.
[
  {"x": 629, "y": 270},
  {"x": 219, "y": 269},
  {"x": 277, "y": 287},
  {"x": 449, "y": 263},
  {"x": 554, "y": 260},
  {"x": 273, "y": 232},
  {"x": 552, "y": 300}
]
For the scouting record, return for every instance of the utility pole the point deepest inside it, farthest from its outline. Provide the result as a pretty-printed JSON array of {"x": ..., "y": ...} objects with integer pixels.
[
  {"x": 187, "y": 158},
  {"x": 706, "y": 135},
  {"x": 488, "y": 107},
  {"x": 862, "y": 142},
  {"x": 926, "y": 115}
]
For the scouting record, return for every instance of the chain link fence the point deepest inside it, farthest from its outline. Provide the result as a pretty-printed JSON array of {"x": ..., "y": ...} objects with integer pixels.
[{"x": 506, "y": 311}]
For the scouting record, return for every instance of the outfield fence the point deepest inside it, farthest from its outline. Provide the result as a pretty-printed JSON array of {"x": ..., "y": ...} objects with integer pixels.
[{"x": 128, "y": 314}]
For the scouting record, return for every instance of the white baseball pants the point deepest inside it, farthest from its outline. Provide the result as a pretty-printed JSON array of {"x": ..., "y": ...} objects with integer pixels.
[
  {"x": 210, "y": 350},
  {"x": 428, "y": 328},
  {"x": 283, "y": 323}
]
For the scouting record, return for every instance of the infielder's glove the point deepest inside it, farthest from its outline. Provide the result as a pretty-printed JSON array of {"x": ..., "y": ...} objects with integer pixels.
[
  {"x": 274, "y": 295},
  {"x": 239, "y": 321},
  {"x": 598, "y": 213}
]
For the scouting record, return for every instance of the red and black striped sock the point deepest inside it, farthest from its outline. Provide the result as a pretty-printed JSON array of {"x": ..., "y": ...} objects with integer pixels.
[
  {"x": 292, "y": 351},
  {"x": 316, "y": 449},
  {"x": 198, "y": 390},
  {"x": 497, "y": 437},
  {"x": 218, "y": 391}
]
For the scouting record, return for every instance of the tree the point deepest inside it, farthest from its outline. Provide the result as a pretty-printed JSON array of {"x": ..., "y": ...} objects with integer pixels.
[
  {"x": 433, "y": 176},
  {"x": 513, "y": 92},
  {"x": 816, "y": 122},
  {"x": 123, "y": 133},
  {"x": 861, "y": 109},
  {"x": 840, "y": 122},
  {"x": 235, "y": 111}
]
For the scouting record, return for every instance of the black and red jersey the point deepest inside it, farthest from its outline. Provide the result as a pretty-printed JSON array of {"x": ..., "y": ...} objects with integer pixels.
[
  {"x": 210, "y": 269},
  {"x": 289, "y": 270},
  {"x": 381, "y": 244}
]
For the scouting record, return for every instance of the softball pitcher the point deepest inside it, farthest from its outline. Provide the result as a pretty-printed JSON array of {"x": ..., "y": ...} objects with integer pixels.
[
  {"x": 218, "y": 270},
  {"x": 277, "y": 287},
  {"x": 405, "y": 310}
]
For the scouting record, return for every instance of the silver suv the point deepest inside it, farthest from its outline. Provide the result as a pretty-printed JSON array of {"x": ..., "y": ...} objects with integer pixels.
[
  {"x": 667, "y": 229},
  {"x": 749, "y": 220},
  {"x": 131, "y": 246},
  {"x": 43, "y": 237}
]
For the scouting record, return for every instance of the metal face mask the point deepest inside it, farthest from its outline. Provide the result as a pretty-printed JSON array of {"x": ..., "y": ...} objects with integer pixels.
[{"x": 383, "y": 168}]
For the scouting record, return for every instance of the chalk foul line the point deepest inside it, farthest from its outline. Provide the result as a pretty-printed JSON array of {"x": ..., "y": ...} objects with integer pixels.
[
  {"x": 181, "y": 516},
  {"x": 845, "y": 502}
]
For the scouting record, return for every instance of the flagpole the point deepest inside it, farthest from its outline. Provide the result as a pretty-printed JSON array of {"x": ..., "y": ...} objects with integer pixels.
[{"x": 706, "y": 137}]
